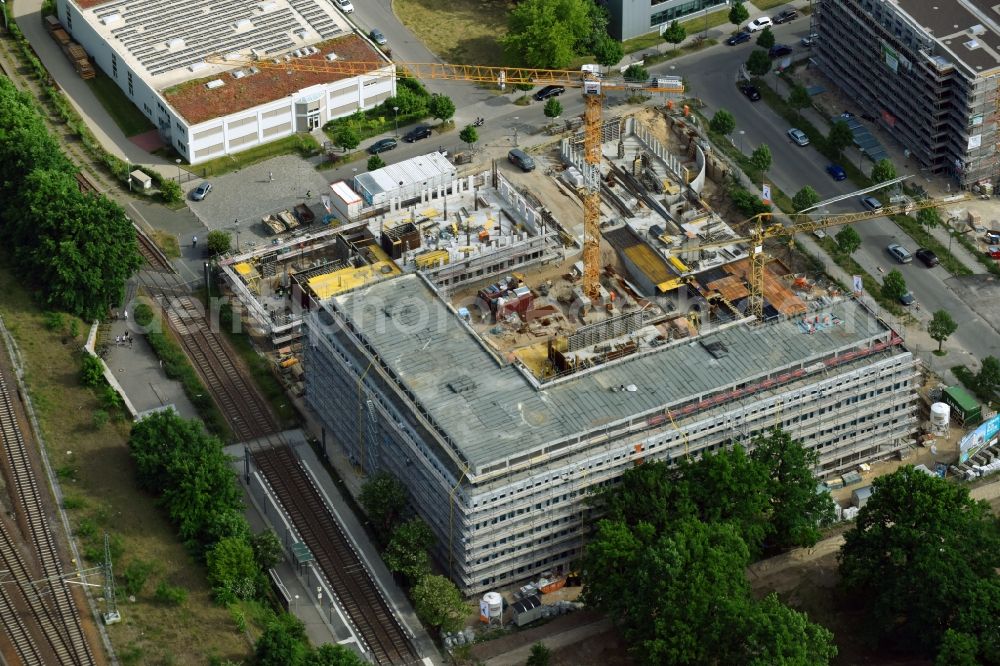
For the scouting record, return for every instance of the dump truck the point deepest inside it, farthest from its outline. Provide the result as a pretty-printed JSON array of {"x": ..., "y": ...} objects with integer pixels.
[{"x": 304, "y": 214}]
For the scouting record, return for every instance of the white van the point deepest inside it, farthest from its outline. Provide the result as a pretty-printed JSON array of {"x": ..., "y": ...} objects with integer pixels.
[
  {"x": 759, "y": 24},
  {"x": 344, "y": 6}
]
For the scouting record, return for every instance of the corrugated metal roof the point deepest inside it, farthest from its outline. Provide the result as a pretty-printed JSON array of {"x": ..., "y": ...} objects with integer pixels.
[{"x": 413, "y": 171}]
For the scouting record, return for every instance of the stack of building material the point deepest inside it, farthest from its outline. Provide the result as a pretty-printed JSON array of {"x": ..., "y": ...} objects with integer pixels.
[{"x": 80, "y": 60}]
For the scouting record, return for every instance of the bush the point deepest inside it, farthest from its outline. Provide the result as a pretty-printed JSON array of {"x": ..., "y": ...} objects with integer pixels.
[
  {"x": 135, "y": 576},
  {"x": 143, "y": 315},
  {"x": 170, "y": 595},
  {"x": 218, "y": 242},
  {"x": 101, "y": 418},
  {"x": 91, "y": 371},
  {"x": 111, "y": 400},
  {"x": 170, "y": 192},
  {"x": 55, "y": 321}
]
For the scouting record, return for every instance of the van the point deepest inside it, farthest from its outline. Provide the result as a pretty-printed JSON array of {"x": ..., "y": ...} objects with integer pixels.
[{"x": 521, "y": 159}]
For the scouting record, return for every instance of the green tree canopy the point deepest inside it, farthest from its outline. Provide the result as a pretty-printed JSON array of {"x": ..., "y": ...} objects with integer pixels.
[
  {"x": 769, "y": 632},
  {"x": 883, "y": 170},
  {"x": 548, "y": 33},
  {"x": 441, "y": 107},
  {"x": 988, "y": 377},
  {"x": 266, "y": 549},
  {"x": 929, "y": 217},
  {"x": 941, "y": 327},
  {"x": 438, "y": 603},
  {"x": 540, "y": 655},
  {"x": 552, "y": 109},
  {"x": 283, "y": 642},
  {"x": 840, "y": 137},
  {"x": 232, "y": 569},
  {"x": 848, "y": 240},
  {"x": 469, "y": 135},
  {"x": 958, "y": 649},
  {"x": 346, "y": 138},
  {"x": 407, "y": 552},
  {"x": 333, "y": 655},
  {"x": 383, "y": 498},
  {"x": 218, "y": 242},
  {"x": 894, "y": 286},
  {"x": 608, "y": 51},
  {"x": 798, "y": 97},
  {"x": 375, "y": 162},
  {"x": 924, "y": 557},
  {"x": 722, "y": 122},
  {"x": 759, "y": 63},
  {"x": 675, "y": 33},
  {"x": 738, "y": 14},
  {"x": 760, "y": 158},
  {"x": 807, "y": 197},
  {"x": 765, "y": 39},
  {"x": 636, "y": 73}
]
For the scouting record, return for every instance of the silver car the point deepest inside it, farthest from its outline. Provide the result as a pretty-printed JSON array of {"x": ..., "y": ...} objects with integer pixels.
[
  {"x": 899, "y": 253},
  {"x": 798, "y": 137}
]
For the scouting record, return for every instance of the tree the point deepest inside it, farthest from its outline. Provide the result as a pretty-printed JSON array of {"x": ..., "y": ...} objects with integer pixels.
[
  {"x": 797, "y": 510},
  {"x": 636, "y": 73},
  {"x": 469, "y": 135},
  {"x": 988, "y": 377},
  {"x": 929, "y": 217},
  {"x": 807, "y": 197},
  {"x": 283, "y": 642},
  {"x": 438, "y": 603},
  {"x": 798, "y": 97},
  {"x": 848, "y": 240},
  {"x": 749, "y": 203},
  {"x": 760, "y": 158},
  {"x": 894, "y": 286},
  {"x": 267, "y": 550},
  {"x": 408, "y": 548},
  {"x": 553, "y": 109},
  {"x": 957, "y": 649},
  {"x": 675, "y": 34},
  {"x": 375, "y": 162},
  {"x": 738, "y": 14},
  {"x": 918, "y": 527},
  {"x": 346, "y": 138},
  {"x": 765, "y": 39},
  {"x": 941, "y": 326},
  {"x": 722, "y": 122},
  {"x": 548, "y": 33},
  {"x": 540, "y": 655},
  {"x": 170, "y": 191},
  {"x": 840, "y": 137},
  {"x": 332, "y": 655},
  {"x": 441, "y": 107},
  {"x": 232, "y": 569},
  {"x": 882, "y": 171},
  {"x": 608, "y": 51},
  {"x": 768, "y": 632},
  {"x": 91, "y": 371},
  {"x": 383, "y": 498},
  {"x": 218, "y": 242},
  {"x": 759, "y": 63}
]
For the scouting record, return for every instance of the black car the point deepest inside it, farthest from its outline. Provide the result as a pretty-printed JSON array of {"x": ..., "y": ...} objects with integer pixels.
[
  {"x": 779, "y": 50},
  {"x": 549, "y": 91},
  {"x": 750, "y": 91},
  {"x": 786, "y": 16},
  {"x": 381, "y": 146},
  {"x": 739, "y": 38},
  {"x": 417, "y": 133},
  {"x": 929, "y": 258}
]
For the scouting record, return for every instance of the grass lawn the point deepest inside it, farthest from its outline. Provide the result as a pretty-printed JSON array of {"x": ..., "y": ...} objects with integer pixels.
[
  {"x": 764, "y": 5},
  {"x": 303, "y": 144},
  {"x": 693, "y": 26},
  {"x": 96, "y": 477},
  {"x": 457, "y": 31},
  {"x": 125, "y": 114}
]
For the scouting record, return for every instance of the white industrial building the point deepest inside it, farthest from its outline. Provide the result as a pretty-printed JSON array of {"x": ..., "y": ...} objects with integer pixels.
[
  {"x": 156, "y": 52},
  {"x": 406, "y": 179}
]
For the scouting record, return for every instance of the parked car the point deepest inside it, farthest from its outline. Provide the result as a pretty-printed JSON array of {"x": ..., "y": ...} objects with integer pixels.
[
  {"x": 929, "y": 258},
  {"x": 521, "y": 159},
  {"x": 779, "y": 51},
  {"x": 810, "y": 39},
  {"x": 376, "y": 36},
  {"x": 417, "y": 133},
  {"x": 836, "y": 171},
  {"x": 344, "y": 6},
  {"x": 871, "y": 203},
  {"x": 200, "y": 192},
  {"x": 759, "y": 24},
  {"x": 786, "y": 16},
  {"x": 798, "y": 137},
  {"x": 907, "y": 299},
  {"x": 739, "y": 38},
  {"x": 750, "y": 91},
  {"x": 549, "y": 91},
  {"x": 382, "y": 145},
  {"x": 899, "y": 253},
  {"x": 993, "y": 251}
]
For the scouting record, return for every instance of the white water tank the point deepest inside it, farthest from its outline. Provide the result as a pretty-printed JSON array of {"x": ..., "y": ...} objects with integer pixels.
[
  {"x": 940, "y": 415},
  {"x": 494, "y": 602}
]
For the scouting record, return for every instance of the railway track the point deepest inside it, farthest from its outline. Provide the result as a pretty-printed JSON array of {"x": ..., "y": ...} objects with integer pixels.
[
  {"x": 346, "y": 573},
  {"x": 17, "y": 632},
  {"x": 151, "y": 253},
  {"x": 57, "y": 616}
]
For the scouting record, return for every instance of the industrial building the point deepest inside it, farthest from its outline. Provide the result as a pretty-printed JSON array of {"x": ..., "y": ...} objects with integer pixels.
[
  {"x": 158, "y": 53},
  {"x": 631, "y": 18},
  {"x": 928, "y": 72}
]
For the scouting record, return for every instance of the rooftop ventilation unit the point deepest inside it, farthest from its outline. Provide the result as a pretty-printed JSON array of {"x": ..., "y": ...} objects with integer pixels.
[
  {"x": 331, "y": 56},
  {"x": 972, "y": 45},
  {"x": 297, "y": 53},
  {"x": 175, "y": 44},
  {"x": 977, "y": 30},
  {"x": 267, "y": 6},
  {"x": 239, "y": 74},
  {"x": 243, "y": 24},
  {"x": 217, "y": 83},
  {"x": 111, "y": 19},
  {"x": 194, "y": 67}
]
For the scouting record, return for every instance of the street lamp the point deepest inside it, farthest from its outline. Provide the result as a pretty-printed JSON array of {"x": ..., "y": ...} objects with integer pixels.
[
  {"x": 742, "y": 132},
  {"x": 178, "y": 163},
  {"x": 236, "y": 225},
  {"x": 515, "y": 130},
  {"x": 395, "y": 117},
  {"x": 128, "y": 171}
]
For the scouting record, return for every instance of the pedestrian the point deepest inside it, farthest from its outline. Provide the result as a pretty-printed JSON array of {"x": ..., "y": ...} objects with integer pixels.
[
  {"x": 125, "y": 314},
  {"x": 118, "y": 341},
  {"x": 309, "y": 194},
  {"x": 194, "y": 241},
  {"x": 270, "y": 177},
  {"x": 161, "y": 364},
  {"x": 130, "y": 342}
]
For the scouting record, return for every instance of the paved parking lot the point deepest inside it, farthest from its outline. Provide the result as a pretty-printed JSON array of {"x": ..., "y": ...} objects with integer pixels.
[{"x": 248, "y": 195}]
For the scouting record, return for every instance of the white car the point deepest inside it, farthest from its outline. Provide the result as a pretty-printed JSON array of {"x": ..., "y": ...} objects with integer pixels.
[
  {"x": 344, "y": 6},
  {"x": 759, "y": 24}
]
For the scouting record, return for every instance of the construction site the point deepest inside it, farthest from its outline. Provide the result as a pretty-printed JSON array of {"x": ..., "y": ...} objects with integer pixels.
[{"x": 451, "y": 338}]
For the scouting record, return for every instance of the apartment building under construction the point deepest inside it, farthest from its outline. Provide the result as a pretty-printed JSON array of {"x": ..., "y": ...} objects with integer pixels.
[
  {"x": 927, "y": 71},
  {"x": 499, "y": 450}
]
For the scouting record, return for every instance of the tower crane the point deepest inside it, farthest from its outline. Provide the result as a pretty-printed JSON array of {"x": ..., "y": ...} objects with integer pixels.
[
  {"x": 763, "y": 229},
  {"x": 592, "y": 84}
]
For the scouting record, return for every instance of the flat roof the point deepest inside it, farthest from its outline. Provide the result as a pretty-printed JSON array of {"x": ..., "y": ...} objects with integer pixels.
[
  {"x": 166, "y": 42},
  {"x": 330, "y": 284},
  {"x": 969, "y": 29},
  {"x": 413, "y": 171},
  {"x": 490, "y": 412}
]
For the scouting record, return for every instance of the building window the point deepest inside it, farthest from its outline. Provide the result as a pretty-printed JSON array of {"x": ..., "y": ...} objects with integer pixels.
[
  {"x": 131, "y": 92},
  {"x": 678, "y": 11},
  {"x": 69, "y": 19},
  {"x": 114, "y": 65}
]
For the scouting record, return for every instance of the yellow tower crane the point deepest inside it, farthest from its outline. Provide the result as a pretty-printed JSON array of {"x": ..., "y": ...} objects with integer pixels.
[
  {"x": 801, "y": 223},
  {"x": 593, "y": 87}
]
